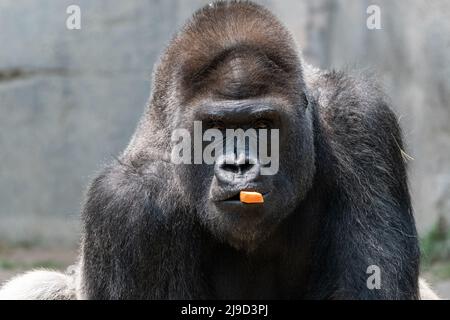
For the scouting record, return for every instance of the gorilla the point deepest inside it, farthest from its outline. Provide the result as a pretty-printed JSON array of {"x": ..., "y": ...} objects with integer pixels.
[{"x": 338, "y": 204}]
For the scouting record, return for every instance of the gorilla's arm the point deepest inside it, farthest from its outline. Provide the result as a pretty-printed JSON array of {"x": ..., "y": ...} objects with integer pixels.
[
  {"x": 133, "y": 244},
  {"x": 370, "y": 220}
]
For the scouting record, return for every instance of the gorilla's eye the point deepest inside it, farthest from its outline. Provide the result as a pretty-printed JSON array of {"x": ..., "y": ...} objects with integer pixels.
[
  {"x": 262, "y": 124},
  {"x": 216, "y": 124}
]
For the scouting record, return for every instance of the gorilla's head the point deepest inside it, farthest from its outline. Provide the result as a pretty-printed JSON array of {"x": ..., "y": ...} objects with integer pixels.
[
  {"x": 245, "y": 76},
  {"x": 214, "y": 189}
]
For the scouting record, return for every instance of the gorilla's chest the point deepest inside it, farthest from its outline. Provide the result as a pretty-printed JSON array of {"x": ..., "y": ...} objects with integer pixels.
[{"x": 244, "y": 279}]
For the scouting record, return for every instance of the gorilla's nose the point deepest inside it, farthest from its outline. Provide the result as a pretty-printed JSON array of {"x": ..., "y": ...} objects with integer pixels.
[{"x": 233, "y": 169}]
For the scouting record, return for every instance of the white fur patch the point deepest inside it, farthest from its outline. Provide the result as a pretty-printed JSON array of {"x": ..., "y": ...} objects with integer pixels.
[
  {"x": 426, "y": 293},
  {"x": 39, "y": 285}
]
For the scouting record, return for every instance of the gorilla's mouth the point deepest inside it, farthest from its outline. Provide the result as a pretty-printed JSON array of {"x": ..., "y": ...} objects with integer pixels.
[
  {"x": 230, "y": 194},
  {"x": 235, "y": 197}
]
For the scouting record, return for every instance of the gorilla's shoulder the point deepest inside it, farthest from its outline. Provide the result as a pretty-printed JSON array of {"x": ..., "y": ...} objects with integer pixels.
[
  {"x": 353, "y": 109},
  {"x": 363, "y": 131},
  {"x": 125, "y": 182}
]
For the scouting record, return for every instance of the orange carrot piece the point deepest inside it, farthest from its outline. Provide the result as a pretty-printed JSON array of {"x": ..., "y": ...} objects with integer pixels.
[{"x": 251, "y": 197}]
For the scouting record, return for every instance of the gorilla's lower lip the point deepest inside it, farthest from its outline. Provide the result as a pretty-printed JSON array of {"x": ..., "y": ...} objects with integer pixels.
[{"x": 233, "y": 198}]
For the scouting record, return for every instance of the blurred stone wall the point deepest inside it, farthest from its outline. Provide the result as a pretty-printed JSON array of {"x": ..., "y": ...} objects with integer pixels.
[{"x": 70, "y": 99}]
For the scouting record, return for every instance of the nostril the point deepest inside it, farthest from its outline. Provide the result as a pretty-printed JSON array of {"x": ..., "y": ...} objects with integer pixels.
[
  {"x": 230, "y": 167},
  {"x": 245, "y": 167},
  {"x": 234, "y": 171},
  {"x": 236, "y": 168}
]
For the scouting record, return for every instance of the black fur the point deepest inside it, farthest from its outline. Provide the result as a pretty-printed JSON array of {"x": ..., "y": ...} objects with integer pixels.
[{"x": 343, "y": 201}]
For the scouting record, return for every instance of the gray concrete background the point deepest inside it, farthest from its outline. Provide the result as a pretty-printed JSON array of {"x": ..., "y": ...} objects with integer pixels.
[{"x": 70, "y": 99}]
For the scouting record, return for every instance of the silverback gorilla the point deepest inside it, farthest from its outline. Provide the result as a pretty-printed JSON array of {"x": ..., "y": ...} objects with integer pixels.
[{"x": 338, "y": 204}]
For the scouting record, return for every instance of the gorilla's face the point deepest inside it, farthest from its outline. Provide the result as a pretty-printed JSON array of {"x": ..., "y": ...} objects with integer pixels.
[{"x": 213, "y": 189}]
